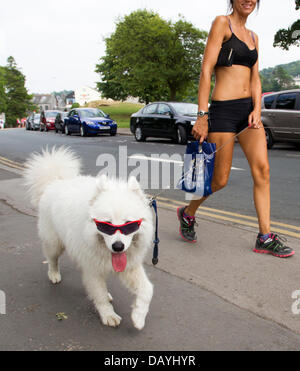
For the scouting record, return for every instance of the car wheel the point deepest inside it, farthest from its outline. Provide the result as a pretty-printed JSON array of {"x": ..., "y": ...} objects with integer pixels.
[
  {"x": 269, "y": 138},
  {"x": 113, "y": 133},
  {"x": 67, "y": 130},
  {"x": 82, "y": 131},
  {"x": 56, "y": 131},
  {"x": 139, "y": 136},
  {"x": 181, "y": 135}
]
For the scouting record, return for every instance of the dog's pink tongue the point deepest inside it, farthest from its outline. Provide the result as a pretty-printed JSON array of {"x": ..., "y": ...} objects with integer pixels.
[{"x": 119, "y": 261}]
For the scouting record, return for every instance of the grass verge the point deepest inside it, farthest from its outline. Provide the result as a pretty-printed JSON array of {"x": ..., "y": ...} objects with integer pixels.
[{"x": 121, "y": 112}]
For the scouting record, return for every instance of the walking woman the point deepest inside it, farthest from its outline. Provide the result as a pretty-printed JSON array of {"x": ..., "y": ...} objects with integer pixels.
[{"x": 232, "y": 54}]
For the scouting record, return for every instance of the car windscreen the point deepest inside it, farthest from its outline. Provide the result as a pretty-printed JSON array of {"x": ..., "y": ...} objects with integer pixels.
[
  {"x": 36, "y": 117},
  {"x": 185, "y": 109},
  {"x": 51, "y": 114},
  {"x": 92, "y": 113}
]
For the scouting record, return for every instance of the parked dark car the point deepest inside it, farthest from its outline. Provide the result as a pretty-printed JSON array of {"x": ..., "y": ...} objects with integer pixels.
[
  {"x": 48, "y": 119},
  {"x": 172, "y": 120},
  {"x": 86, "y": 121},
  {"x": 60, "y": 122},
  {"x": 281, "y": 116}
]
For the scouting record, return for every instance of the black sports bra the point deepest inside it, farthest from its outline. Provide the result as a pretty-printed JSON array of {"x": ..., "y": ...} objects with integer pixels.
[{"x": 235, "y": 51}]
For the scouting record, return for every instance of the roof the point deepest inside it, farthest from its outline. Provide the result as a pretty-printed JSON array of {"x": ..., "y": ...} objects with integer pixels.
[
  {"x": 70, "y": 95},
  {"x": 85, "y": 108},
  {"x": 43, "y": 98},
  {"x": 172, "y": 103},
  {"x": 285, "y": 91}
]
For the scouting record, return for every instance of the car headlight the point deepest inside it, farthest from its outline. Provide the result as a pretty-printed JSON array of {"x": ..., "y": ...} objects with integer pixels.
[{"x": 91, "y": 123}]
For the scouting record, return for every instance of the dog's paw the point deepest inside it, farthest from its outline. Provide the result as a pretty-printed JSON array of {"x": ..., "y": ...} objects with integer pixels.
[
  {"x": 54, "y": 277},
  {"x": 112, "y": 320},
  {"x": 138, "y": 319},
  {"x": 110, "y": 298}
]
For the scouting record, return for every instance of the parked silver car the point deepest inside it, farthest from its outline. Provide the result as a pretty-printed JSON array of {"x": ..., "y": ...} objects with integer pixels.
[
  {"x": 35, "y": 123},
  {"x": 28, "y": 121},
  {"x": 281, "y": 116}
]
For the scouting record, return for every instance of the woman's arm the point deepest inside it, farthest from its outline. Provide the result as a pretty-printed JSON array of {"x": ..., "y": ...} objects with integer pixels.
[
  {"x": 256, "y": 91},
  {"x": 214, "y": 43}
]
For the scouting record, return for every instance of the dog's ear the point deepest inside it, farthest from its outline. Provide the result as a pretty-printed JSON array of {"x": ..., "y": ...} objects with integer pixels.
[
  {"x": 102, "y": 182},
  {"x": 134, "y": 186}
]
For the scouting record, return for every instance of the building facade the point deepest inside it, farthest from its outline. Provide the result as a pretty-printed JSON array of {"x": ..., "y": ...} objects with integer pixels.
[
  {"x": 45, "y": 102},
  {"x": 85, "y": 94}
]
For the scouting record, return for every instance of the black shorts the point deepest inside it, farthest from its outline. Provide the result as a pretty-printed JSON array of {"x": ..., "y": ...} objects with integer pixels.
[{"x": 229, "y": 116}]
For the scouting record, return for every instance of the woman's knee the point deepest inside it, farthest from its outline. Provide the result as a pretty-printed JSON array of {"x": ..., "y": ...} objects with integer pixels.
[
  {"x": 261, "y": 174},
  {"x": 219, "y": 183}
]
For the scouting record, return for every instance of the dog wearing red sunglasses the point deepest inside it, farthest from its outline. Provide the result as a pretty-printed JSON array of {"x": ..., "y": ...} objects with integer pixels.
[{"x": 106, "y": 226}]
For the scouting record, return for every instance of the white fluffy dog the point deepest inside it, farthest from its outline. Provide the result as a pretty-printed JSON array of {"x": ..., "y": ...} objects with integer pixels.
[{"x": 70, "y": 209}]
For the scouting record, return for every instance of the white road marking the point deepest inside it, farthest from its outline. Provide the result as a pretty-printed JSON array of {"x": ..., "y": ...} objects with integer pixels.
[{"x": 145, "y": 158}]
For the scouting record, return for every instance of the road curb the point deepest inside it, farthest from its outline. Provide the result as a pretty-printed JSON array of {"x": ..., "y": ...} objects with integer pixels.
[
  {"x": 234, "y": 219},
  {"x": 125, "y": 133}
]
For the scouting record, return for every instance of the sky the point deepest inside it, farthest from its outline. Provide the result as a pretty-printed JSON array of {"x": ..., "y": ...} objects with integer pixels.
[{"x": 57, "y": 43}]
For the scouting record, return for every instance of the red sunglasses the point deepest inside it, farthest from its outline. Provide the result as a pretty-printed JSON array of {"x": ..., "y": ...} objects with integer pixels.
[{"x": 111, "y": 229}]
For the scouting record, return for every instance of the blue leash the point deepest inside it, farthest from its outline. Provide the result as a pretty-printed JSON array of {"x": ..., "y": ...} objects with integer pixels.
[{"x": 156, "y": 241}]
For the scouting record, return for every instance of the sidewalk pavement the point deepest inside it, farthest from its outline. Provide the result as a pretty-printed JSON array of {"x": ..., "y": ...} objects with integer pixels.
[
  {"x": 213, "y": 295},
  {"x": 124, "y": 131}
]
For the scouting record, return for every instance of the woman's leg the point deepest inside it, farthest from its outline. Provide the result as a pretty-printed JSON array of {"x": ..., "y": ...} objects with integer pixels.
[
  {"x": 254, "y": 145},
  {"x": 223, "y": 162}
]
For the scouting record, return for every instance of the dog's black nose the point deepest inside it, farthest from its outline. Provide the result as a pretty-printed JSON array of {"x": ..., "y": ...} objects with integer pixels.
[{"x": 118, "y": 246}]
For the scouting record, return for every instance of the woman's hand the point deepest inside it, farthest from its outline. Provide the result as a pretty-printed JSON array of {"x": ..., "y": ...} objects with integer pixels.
[
  {"x": 254, "y": 120},
  {"x": 200, "y": 129}
]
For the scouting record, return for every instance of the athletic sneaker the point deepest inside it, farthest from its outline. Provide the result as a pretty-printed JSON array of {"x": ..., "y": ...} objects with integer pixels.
[
  {"x": 186, "y": 228},
  {"x": 273, "y": 246}
]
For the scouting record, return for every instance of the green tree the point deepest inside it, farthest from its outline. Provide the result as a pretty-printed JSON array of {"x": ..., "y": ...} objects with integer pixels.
[
  {"x": 278, "y": 79},
  {"x": 285, "y": 38},
  {"x": 283, "y": 78},
  {"x": 150, "y": 58},
  {"x": 2, "y": 90},
  {"x": 18, "y": 101}
]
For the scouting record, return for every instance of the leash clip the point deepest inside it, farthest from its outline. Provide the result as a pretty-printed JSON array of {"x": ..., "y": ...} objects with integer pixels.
[{"x": 151, "y": 200}]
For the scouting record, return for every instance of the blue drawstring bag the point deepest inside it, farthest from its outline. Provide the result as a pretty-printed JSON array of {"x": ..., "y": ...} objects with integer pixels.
[{"x": 198, "y": 168}]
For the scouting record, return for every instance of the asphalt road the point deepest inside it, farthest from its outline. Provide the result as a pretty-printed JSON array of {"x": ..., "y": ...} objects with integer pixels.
[
  {"x": 217, "y": 295},
  {"x": 17, "y": 144}
]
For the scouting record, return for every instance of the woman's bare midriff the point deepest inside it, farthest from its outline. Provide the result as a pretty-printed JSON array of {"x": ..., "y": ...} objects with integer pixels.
[{"x": 232, "y": 83}]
